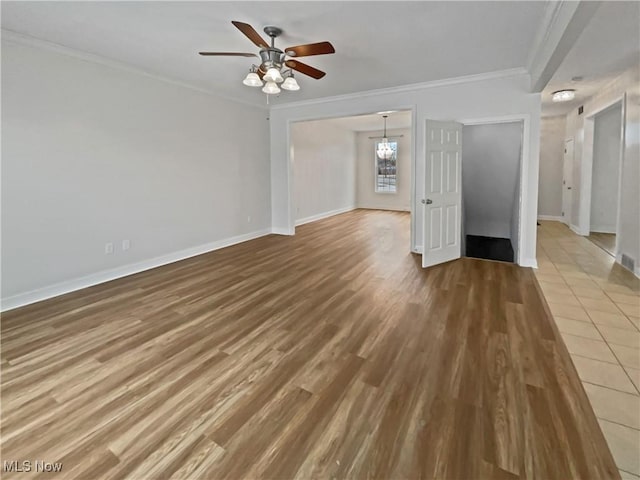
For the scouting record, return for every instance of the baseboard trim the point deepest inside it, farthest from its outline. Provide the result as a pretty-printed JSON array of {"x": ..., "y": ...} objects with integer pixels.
[
  {"x": 554, "y": 218},
  {"x": 386, "y": 209},
  {"x": 575, "y": 230},
  {"x": 282, "y": 231},
  {"x": 597, "y": 229},
  {"x": 320, "y": 216},
  {"x": 68, "y": 286}
]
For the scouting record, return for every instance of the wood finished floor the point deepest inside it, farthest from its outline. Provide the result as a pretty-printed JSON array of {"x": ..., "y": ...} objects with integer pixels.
[{"x": 330, "y": 354}]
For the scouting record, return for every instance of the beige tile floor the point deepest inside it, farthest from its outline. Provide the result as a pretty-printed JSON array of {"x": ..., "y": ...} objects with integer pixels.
[{"x": 596, "y": 306}]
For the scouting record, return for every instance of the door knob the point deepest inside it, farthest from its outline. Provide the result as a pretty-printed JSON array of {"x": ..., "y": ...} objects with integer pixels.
[{"x": 428, "y": 201}]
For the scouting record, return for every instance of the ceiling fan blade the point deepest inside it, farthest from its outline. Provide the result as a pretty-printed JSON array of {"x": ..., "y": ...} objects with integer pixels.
[
  {"x": 251, "y": 34},
  {"x": 227, "y": 54},
  {"x": 306, "y": 69},
  {"x": 321, "y": 48}
]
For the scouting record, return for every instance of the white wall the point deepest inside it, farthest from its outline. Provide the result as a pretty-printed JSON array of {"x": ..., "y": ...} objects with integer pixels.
[
  {"x": 607, "y": 134},
  {"x": 627, "y": 87},
  {"x": 324, "y": 163},
  {"x": 94, "y": 154},
  {"x": 479, "y": 97},
  {"x": 552, "y": 137},
  {"x": 366, "y": 196},
  {"x": 490, "y": 159}
]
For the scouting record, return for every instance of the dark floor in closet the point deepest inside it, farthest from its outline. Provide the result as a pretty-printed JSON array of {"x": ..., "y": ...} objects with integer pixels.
[{"x": 489, "y": 248}]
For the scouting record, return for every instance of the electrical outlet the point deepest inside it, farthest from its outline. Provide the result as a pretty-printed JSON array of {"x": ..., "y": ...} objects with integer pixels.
[
  {"x": 126, "y": 244},
  {"x": 108, "y": 248}
]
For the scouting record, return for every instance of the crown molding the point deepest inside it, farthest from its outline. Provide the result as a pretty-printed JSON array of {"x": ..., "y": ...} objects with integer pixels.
[
  {"x": 552, "y": 12},
  {"x": 479, "y": 77},
  {"x": 562, "y": 23},
  {"x": 29, "y": 41}
]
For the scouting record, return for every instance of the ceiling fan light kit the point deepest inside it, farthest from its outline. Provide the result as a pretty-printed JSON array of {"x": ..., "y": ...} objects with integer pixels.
[
  {"x": 252, "y": 80},
  {"x": 272, "y": 69},
  {"x": 271, "y": 88},
  {"x": 273, "y": 75},
  {"x": 290, "y": 84}
]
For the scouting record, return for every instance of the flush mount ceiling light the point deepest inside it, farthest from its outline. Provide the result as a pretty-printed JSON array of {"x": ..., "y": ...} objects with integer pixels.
[
  {"x": 384, "y": 151},
  {"x": 563, "y": 95},
  {"x": 275, "y": 68}
]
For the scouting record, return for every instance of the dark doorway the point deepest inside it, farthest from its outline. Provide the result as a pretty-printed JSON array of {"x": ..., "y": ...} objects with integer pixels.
[
  {"x": 491, "y": 157},
  {"x": 489, "y": 248}
]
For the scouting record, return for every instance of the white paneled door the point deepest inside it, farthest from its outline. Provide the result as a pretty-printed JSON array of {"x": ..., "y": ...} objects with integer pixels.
[{"x": 442, "y": 203}]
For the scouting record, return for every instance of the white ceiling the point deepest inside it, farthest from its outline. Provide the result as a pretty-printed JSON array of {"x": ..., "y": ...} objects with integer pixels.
[
  {"x": 373, "y": 122},
  {"x": 378, "y": 44},
  {"x": 608, "y": 45}
]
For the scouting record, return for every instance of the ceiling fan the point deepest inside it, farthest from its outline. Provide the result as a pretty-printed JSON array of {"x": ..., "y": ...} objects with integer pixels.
[{"x": 273, "y": 60}]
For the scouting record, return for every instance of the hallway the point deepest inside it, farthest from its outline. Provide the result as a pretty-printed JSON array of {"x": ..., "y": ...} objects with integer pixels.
[{"x": 596, "y": 305}]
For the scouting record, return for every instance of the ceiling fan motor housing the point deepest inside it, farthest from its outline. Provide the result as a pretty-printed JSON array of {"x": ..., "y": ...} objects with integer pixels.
[{"x": 271, "y": 57}]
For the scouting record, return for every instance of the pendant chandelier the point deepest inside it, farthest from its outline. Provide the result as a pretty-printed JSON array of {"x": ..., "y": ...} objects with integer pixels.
[{"x": 384, "y": 151}]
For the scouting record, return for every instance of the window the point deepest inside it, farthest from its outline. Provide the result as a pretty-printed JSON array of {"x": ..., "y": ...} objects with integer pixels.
[{"x": 386, "y": 170}]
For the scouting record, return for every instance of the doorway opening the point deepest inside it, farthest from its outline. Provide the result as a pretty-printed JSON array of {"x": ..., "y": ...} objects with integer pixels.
[
  {"x": 605, "y": 178},
  {"x": 336, "y": 168},
  {"x": 491, "y": 163}
]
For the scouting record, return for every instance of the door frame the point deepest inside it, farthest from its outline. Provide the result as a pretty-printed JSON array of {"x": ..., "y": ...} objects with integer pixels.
[
  {"x": 525, "y": 150},
  {"x": 586, "y": 177},
  {"x": 567, "y": 210},
  {"x": 352, "y": 113}
]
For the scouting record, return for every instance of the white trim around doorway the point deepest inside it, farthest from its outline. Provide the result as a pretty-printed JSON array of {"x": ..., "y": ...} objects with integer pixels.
[
  {"x": 523, "y": 199},
  {"x": 586, "y": 177}
]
